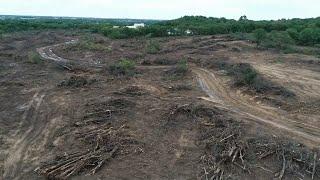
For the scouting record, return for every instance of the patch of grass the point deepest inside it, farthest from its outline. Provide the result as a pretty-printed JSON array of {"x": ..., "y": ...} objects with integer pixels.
[
  {"x": 152, "y": 47},
  {"x": 124, "y": 67},
  {"x": 34, "y": 58}
]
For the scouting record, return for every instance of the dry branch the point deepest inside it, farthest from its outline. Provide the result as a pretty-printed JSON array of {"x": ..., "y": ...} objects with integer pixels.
[{"x": 105, "y": 142}]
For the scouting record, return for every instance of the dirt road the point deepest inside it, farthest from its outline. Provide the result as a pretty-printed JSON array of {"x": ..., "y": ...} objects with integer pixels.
[
  {"x": 247, "y": 108},
  {"x": 235, "y": 102}
]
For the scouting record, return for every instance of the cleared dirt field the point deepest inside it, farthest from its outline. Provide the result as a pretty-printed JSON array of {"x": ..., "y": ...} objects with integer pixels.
[{"x": 68, "y": 117}]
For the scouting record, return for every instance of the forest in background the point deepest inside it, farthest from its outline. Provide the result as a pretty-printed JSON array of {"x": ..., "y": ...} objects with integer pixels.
[{"x": 283, "y": 33}]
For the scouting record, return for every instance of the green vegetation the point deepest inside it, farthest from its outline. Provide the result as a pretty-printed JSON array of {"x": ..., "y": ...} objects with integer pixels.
[
  {"x": 310, "y": 36},
  {"x": 34, "y": 58},
  {"x": 123, "y": 68},
  {"x": 259, "y": 35},
  {"x": 292, "y": 31},
  {"x": 153, "y": 47},
  {"x": 278, "y": 39},
  {"x": 243, "y": 73},
  {"x": 182, "y": 67},
  {"x": 179, "y": 70}
]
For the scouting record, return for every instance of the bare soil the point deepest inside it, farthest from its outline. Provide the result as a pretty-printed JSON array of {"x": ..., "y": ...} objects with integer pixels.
[{"x": 69, "y": 118}]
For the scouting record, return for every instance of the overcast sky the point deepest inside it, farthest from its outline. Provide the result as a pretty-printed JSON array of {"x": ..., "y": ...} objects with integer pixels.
[{"x": 164, "y": 9}]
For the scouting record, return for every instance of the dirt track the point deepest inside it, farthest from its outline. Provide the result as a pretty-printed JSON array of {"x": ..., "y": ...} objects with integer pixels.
[
  {"x": 250, "y": 110},
  {"x": 241, "y": 104},
  {"x": 24, "y": 136}
]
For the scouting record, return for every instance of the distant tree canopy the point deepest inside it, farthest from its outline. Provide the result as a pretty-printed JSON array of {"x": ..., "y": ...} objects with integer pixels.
[{"x": 301, "y": 31}]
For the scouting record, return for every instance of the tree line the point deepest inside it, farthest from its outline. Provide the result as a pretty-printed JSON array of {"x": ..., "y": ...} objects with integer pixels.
[{"x": 298, "y": 31}]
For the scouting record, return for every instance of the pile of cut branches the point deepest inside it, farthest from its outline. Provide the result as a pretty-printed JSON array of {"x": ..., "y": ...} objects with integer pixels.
[
  {"x": 231, "y": 152},
  {"x": 76, "y": 82},
  {"x": 133, "y": 90},
  {"x": 105, "y": 142},
  {"x": 102, "y": 112}
]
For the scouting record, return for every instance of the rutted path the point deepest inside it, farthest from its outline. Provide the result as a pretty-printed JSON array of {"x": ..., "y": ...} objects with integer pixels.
[
  {"x": 227, "y": 99},
  {"x": 29, "y": 130},
  {"x": 250, "y": 110}
]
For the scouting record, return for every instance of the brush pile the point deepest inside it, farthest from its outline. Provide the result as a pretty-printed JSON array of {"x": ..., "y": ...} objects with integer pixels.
[
  {"x": 105, "y": 143},
  {"x": 230, "y": 152}
]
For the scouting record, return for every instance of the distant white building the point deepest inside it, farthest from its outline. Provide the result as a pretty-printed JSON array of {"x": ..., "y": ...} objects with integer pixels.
[
  {"x": 188, "y": 32},
  {"x": 136, "y": 25}
]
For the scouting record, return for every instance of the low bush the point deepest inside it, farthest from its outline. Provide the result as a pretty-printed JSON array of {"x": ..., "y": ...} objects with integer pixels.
[
  {"x": 293, "y": 33},
  {"x": 278, "y": 39},
  {"x": 152, "y": 47},
  {"x": 34, "y": 58},
  {"x": 177, "y": 71},
  {"x": 123, "y": 68},
  {"x": 310, "y": 36},
  {"x": 259, "y": 35},
  {"x": 182, "y": 67}
]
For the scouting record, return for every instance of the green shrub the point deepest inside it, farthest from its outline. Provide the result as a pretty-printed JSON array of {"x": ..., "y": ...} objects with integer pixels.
[
  {"x": 243, "y": 73},
  {"x": 259, "y": 35},
  {"x": 290, "y": 49},
  {"x": 278, "y": 39},
  {"x": 182, "y": 67},
  {"x": 116, "y": 34},
  {"x": 34, "y": 58},
  {"x": 153, "y": 47},
  {"x": 293, "y": 33},
  {"x": 123, "y": 68},
  {"x": 178, "y": 71},
  {"x": 310, "y": 36}
]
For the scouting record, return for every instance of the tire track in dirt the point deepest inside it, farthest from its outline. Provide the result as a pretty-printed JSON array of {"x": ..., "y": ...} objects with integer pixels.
[
  {"x": 303, "y": 82},
  {"x": 29, "y": 129},
  {"x": 47, "y": 53},
  {"x": 242, "y": 106}
]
